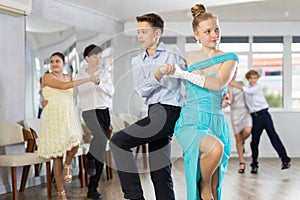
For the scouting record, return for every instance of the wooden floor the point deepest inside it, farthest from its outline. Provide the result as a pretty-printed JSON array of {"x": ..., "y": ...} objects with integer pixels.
[{"x": 270, "y": 183}]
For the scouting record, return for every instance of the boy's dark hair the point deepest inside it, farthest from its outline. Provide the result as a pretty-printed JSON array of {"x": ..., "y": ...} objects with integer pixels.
[
  {"x": 252, "y": 72},
  {"x": 92, "y": 50},
  {"x": 155, "y": 20}
]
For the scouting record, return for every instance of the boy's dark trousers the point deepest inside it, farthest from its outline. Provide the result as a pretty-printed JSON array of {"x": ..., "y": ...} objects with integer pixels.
[
  {"x": 156, "y": 130},
  {"x": 98, "y": 122},
  {"x": 263, "y": 120}
]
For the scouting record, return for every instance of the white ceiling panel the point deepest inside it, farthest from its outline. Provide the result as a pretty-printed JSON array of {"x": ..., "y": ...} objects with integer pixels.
[{"x": 126, "y": 10}]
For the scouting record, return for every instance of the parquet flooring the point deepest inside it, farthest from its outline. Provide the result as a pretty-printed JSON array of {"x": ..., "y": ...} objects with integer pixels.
[{"x": 270, "y": 183}]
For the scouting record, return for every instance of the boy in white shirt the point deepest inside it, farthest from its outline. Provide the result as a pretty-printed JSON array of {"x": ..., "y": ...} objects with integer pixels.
[{"x": 95, "y": 100}]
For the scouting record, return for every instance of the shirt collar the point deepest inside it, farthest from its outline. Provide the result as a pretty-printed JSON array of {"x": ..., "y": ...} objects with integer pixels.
[
  {"x": 161, "y": 47},
  {"x": 83, "y": 69}
]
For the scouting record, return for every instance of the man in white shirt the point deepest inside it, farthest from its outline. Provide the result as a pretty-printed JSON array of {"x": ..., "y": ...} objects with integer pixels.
[{"x": 95, "y": 100}]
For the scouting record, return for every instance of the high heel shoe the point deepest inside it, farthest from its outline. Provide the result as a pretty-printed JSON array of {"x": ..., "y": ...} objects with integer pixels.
[
  {"x": 201, "y": 198},
  {"x": 61, "y": 195},
  {"x": 242, "y": 168},
  {"x": 67, "y": 173}
]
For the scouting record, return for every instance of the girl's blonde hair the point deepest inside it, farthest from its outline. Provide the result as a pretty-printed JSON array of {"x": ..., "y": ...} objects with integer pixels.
[{"x": 199, "y": 13}]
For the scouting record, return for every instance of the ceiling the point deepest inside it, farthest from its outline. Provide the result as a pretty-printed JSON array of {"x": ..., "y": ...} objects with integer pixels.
[
  {"x": 45, "y": 32},
  {"x": 178, "y": 10}
]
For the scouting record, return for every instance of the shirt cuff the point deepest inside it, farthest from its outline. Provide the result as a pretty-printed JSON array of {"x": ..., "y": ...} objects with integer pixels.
[
  {"x": 154, "y": 80},
  {"x": 100, "y": 84}
]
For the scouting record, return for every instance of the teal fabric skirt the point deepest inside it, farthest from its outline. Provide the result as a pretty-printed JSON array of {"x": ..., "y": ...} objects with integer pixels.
[{"x": 191, "y": 127}]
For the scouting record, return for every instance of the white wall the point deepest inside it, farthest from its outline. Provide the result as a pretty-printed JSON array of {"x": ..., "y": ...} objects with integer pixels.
[
  {"x": 12, "y": 79},
  {"x": 125, "y": 100},
  {"x": 287, "y": 126},
  {"x": 12, "y": 67},
  {"x": 285, "y": 123},
  {"x": 231, "y": 28}
]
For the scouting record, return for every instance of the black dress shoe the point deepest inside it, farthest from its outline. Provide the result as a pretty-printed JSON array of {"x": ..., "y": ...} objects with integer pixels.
[
  {"x": 90, "y": 165},
  {"x": 286, "y": 165},
  {"x": 254, "y": 170},
  {"x": 93, "y": 194}
]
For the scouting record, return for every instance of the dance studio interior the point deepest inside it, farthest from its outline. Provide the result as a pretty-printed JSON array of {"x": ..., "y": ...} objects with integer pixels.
[{"x": 264, "y": 34}]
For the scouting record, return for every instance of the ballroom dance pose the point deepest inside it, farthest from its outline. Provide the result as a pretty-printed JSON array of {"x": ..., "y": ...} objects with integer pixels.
[
  {"x": 164, "y": 99},
  {"x": 202, "y": 128},
  {"x": 261, "y": 120}
]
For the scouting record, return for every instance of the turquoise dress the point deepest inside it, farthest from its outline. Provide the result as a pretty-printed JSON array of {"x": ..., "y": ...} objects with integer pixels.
[{"x": 201, "y": 116}]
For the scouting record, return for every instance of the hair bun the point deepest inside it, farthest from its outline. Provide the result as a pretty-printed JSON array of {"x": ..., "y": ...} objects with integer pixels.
[{"x": 198, "y": 9}]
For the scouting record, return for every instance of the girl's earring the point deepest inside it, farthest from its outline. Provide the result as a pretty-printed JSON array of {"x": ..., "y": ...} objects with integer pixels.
[{"x": 197, "y": 42}]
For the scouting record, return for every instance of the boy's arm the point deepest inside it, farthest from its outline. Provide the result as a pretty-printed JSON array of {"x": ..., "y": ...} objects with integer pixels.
[
  {"x": 252, "y": 90},
  {"x": 143, "y": 85},
  {"x": 236, "y": 85}
]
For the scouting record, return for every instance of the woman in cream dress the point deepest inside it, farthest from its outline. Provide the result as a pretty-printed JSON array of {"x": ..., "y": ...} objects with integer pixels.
[{"x": 60, "y": 128}]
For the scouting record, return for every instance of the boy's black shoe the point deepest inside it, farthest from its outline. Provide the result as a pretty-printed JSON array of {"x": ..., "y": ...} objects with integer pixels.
[
  {"x": 254, "y": 170},
  {"x": 90, "y": 165},
  {"x": 286, "y": 165},
  {"x": 93, "y": 194}
]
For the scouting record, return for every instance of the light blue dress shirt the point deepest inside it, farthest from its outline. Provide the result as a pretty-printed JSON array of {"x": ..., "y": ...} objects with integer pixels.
[{"x": 168, "y": 89}]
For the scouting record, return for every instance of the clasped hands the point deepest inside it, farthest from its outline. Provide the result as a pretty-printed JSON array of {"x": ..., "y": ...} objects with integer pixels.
[
  {"x": 173, "y": 70},
  {"x": 167, "y": 69},
  {"x": 95, "y": 78}
]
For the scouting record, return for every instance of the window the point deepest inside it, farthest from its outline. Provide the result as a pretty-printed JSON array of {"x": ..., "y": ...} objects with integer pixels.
[
  {"x": 191, "y": 44},
  {"x": 267, "y": 59},
  {"x": 296, "y": 72},
  {"x": 264, "y": 54},
  {"x": 270, "y": 68},
  {"x": 267, "y": 44},
  {"x": 235, "y": 44},
  {"x": 242, "y": 68},
  {"x": 240, "y": 46}
]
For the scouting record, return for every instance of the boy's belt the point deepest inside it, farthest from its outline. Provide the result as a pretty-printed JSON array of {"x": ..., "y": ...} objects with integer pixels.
[{"x": 254, "y": 114}]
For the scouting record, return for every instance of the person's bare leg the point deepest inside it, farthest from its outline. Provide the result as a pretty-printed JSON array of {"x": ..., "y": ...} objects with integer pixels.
[
  {"x": 215, "y": 184},
  {"x": 67, "y": 165},
  {"x": 70, "y": 155},
  {"x": 246, "y": 132},
  {"x": 240, "y": 141},
  {"x": 211, "y": 153},
  {"x": 57, "y": 169},
  {"x": 240, "y": 150}
]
